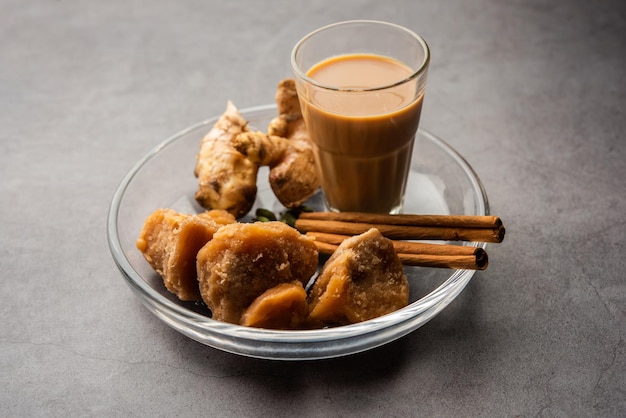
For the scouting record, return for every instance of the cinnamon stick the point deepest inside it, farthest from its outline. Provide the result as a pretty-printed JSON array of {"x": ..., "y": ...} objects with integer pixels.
[
  {"x": 403, "y": 227},
  {"x": 478, "y": 221},
  {"x": 417, "y": 253}
]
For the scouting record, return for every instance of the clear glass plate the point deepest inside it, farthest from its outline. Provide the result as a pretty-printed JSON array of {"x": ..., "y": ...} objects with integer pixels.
[{"x": 441, "y": 182}]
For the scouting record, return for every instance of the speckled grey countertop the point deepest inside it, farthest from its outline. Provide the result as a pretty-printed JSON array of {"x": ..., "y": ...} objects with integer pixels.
[{"x": 531, "y": 93}]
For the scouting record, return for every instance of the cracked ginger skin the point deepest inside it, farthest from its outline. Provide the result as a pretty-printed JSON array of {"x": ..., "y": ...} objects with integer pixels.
[{"x": 226, "y": 178}]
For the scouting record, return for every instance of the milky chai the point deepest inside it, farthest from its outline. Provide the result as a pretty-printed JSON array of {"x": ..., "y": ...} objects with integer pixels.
[{"x": 364, "y": 138}]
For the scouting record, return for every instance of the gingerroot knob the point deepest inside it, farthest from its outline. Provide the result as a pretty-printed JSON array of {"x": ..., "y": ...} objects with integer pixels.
[
  {"x": 290, "y": 187},
  {"x": 227, "y": 166},
  {"x": 260, "y": 148},
  {"x": 289, "y": 122},
  {"x": 293, "y": 175},
  {"x": 226, "y": 178},
  {"x": 287, "y": 149}
]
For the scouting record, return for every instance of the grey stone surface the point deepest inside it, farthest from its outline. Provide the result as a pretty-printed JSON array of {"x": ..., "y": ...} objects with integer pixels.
[{"x": 533, "y": 95}]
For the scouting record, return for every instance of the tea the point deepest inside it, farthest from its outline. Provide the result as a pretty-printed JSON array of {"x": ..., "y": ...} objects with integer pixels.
[{"x": 363, "y": 135}]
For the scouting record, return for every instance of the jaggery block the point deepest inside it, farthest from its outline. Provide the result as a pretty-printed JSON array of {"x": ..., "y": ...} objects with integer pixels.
[
  {"x": 282, "y": 307},
  {"x": 170, "y": 241},
  {"x": 363, "y": 279},
  {"x": 218, "y": 216},
  {"x": 244, "y": 260}
]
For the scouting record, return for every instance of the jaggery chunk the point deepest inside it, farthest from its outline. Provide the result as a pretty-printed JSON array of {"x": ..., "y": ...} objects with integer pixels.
[
  {"x": 281, "y": 307},
  {"x": 170, "y": 241},
  {"x": 363, "y": 279},
  {"x": 244, "y": 260},
  {"x": 219, "y": 217}
]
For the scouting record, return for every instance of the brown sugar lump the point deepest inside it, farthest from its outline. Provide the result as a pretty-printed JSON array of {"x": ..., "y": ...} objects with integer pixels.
[
  {"x": 243, "y": 260},
  {"x": 282, "y": 307},
  {"x": 363, "y": 279},
  {"x": 170, "y": 241},
  {"x": 220, "y": 217}
]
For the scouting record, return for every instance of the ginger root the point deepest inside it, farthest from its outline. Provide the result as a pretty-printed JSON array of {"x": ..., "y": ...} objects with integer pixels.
[
  {"x": 293, "y": 175},
  {"x": 226, "y": 178},
  {"x": 262, "y": 149},
  {"x": 289, "y": 122},
  {"x": 286, "y": 149},
  {"x": 230, "y": 156},
  {"x": 295, "y": 178}
]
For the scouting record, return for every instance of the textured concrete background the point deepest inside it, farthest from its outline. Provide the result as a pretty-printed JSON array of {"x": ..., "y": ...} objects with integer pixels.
[{"x": 532, "y": 93}]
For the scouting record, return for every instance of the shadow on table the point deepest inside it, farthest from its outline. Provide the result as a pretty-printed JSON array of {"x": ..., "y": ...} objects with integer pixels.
[{"x": 432, "y": 354}]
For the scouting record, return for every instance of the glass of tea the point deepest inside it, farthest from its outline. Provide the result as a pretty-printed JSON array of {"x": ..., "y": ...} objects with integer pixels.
[{"x": 361, "y": 87}]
